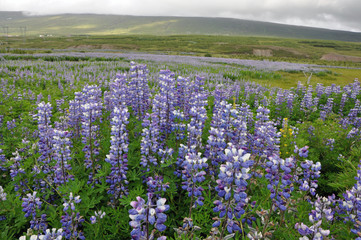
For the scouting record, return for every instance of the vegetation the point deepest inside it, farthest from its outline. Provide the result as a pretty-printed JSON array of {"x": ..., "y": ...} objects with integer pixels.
[
  {"x": 93, "y": 137},
  {"x": 97, "y": 24}
]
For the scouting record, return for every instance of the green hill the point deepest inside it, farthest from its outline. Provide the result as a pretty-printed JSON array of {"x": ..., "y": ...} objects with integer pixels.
[{"x": 15, "y": 23}]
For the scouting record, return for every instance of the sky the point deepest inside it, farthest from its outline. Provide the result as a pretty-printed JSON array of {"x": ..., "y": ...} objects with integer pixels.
[{"x": 331, "y": 14}]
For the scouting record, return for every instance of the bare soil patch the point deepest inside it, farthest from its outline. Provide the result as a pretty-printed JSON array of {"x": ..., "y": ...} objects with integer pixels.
[
  {"x": 262, "y": 52},
  {"x": 82, "y": 47},
  {"x": 339, "y": 57}
]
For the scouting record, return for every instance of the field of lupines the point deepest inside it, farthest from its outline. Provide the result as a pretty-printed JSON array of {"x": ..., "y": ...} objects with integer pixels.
[{"x": 104, "y": 148}]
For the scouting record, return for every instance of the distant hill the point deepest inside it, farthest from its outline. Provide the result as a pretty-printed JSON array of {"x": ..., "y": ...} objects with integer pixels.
[{"x": 17, "y": 23}]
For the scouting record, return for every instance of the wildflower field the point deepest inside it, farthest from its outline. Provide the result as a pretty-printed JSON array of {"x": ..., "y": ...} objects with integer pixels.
[{"x": 96, "y": 146}]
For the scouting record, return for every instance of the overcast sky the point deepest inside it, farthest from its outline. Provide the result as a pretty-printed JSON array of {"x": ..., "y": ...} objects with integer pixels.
[{"x": 331, "y": 14}]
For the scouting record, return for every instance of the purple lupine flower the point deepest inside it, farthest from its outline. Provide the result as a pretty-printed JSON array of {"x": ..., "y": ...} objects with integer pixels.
[
  {"x": 118, "y": 92},
  {"x": 278, "y": 173},
  {"x": 138, "y": 89},
  {"x": 118, "y": 153},
  {"x": 156, "y": 186},
  {"x": 356, "y": 89},
  {"x": 39, "y": 98},
  {"x": 307, "y": 101},
  {"x": 91, "y": 111},
  {"x": 239, "y": 134},
  {"x": 311, "y": 171},
  {"x": 100, "y": 215},
  {"x": 330, "y": 142},
  {"x": 303, "y": 152},
  {"x": 198, "y": 115},
  {"x": 350, "y": 206},
  {"x": 290, "y": 98},
  {"x": 183, "y": 93},
  {"x": 165, "y": 101},
  {"x": 30, "y": 204},
  {"x": 216, "y": 144},
  {"x": 193, "y": 174},
  {"x": 46, "y": 133},
  {"x": 151, "y": 146},
  {"x": 71, "y": 221},
  {"x": 145, "y": 214},
  {"x": 320, "y": 89},
  {"x": 75, "y": 114},
  {"x": 322, "y": 209},
  {"x": 342, "y": 103},
  {"x": 220, "y": 132},
  {"x": 315, "y": 231},
  {"x": 16, "y": 171},
  {"x": 52, "y": 234},
  {"x": 231, "y": 188},
  {"x": 11, "y": 124},
  {"x": 327, "y": 109},
  {"x": 62, "y": 154},
  {"x": 59, "y": 103},
  {"x": 265, "y": 139},
  {"x": 2, "y": 194},
  {"x": 178, "y": 125},
  {"x": 2, "y": 161},
  {"x": 246, "y": 115}
]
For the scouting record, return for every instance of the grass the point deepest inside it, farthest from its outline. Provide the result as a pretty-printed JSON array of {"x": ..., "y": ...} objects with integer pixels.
[
  {"x": 337, "y": 76},
  {"x": 283, "y": 49},
  {"x": 289, "y": 50}
]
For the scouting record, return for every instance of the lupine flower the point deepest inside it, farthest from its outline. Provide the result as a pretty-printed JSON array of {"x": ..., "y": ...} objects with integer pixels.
[
  {"x": 178, "y": 126},
  {"x": 350, "y": 207},
  {"x": 118, "y": 153},
  {"x": 150, "y": 141},
  {"x": 11, "y": 124},
  {"x": 311, "y": 171},
  {"x": 183, "y": 93},
  {"x": 16, "y": 169},
  {"x": 2, "y": 194},
  {"x": 75, "y": 114},
  {"x": 231, "y": 188},
  {"x": 71, "y": 221},
  {"x": 100, "y": 214},
  {"x": 156, "y": 186},
  {"x": 330, "y": 142},
  {"x": 193, "y": 174},
  {"x": 149, "y": 213},
  {"x": 322, "y": 209},
  {"x": 61, "y": 145},
  {"x": 119, "y": 95},
  {"x": 46, "y": 133},
  {"x": 138, "y": 89},
  {"x": 198, "y": 115},
  {"x": 278, "y": 172},
  {"x": 30, "y": 204},
  {"x": 53, "y": 234},
  {"x": 315, "y": 231},
  {"x": 220, "y": 133},
  {"x": 307, "y": 101},
  {"x": 266, "y": 138},
  {"x": 91, "y": 109},
  {"x": 164, "y": 102},
  {"x": 2, "y": 161}
]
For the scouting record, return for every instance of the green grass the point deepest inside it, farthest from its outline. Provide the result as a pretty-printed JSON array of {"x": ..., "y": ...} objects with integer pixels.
[{"x": 291, "y": 50}]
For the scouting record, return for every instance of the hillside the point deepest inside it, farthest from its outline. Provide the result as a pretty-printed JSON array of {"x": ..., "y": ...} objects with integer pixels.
[{"x": 15, "y": 23}]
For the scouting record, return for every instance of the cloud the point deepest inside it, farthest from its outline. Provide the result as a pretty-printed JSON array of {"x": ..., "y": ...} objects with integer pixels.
[{"x": 332, "y": 14}]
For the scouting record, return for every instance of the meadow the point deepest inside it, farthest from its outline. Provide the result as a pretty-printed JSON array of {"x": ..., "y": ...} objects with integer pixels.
[{"x": 96, "y": 146}]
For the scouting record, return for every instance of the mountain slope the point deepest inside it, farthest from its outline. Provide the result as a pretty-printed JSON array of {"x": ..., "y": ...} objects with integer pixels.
[{"x": 14, "y": 23}]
